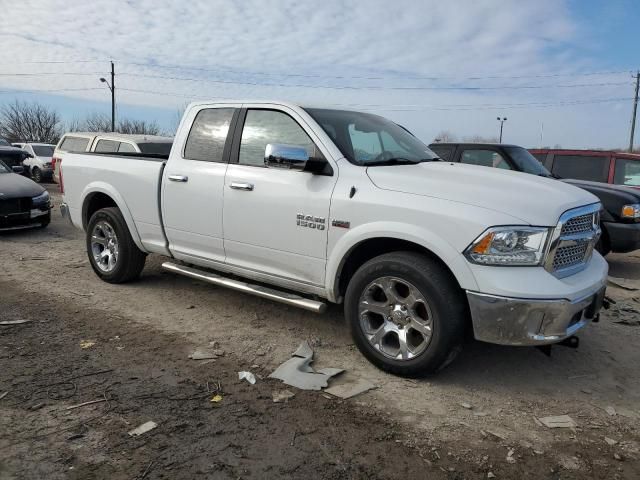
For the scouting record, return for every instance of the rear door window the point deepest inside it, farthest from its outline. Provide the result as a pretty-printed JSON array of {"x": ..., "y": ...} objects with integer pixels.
[
  {"x": 74, "y": 144},
  {"x": 627, "y": 172},
  {"x": 593, "y": 168},
  {"x": 208, "y": 135},
  {"x": 107, "y": 146},
  {"x": 484, "y": 158}
]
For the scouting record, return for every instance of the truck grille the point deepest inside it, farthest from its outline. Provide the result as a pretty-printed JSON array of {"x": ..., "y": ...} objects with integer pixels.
[
  {"x": 573, "y": 240},
  {"x": 581, "y": 224}
]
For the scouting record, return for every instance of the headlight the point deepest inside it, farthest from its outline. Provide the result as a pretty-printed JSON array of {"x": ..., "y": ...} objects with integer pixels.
[
  {"x": 631, "y": 211},
  {"x": 512, "y": 246},
  {"x": 40, "y": 199}
]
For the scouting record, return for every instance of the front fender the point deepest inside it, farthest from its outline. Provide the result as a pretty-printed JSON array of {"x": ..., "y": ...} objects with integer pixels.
[
  {"x": 105, "y": 188},
  {"x": 399, "y": 231}
]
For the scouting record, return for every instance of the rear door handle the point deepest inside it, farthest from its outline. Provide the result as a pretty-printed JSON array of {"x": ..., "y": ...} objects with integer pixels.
[
  {"x": 241, "y": 186},
  {"x": 178, "y": 178}
]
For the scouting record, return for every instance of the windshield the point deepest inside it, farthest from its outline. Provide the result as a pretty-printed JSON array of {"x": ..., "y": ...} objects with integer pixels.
[
  {"x": 526, "y": 162},
  {"x": 43, "y": 150},
  {"x": 4, "y": 168},
  {"x": 366, "y": 139},
  {"x": 155, "y": 148}
]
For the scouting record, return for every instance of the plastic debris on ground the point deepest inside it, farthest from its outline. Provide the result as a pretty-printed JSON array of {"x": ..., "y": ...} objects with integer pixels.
[
  {"x": 298, "y": 372},
  {"x": 350, "y": 388},
  {"x": 84, "y": 344},
  {"x": 248, "y": 376},
  {"x": 14, "y": 322},
  {"x": 282, "y": 396},
  {"x": 216, "y": 398},
  {"x": 559, "y": 421},
  {"x": 142, "y": 429}
]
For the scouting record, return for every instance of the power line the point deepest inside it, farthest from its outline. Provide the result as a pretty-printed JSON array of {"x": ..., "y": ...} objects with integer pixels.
[
  {"x": 39, "y": 74},
  {"x": 370, "y": 87},
  {"x": 19, "y": 92}
]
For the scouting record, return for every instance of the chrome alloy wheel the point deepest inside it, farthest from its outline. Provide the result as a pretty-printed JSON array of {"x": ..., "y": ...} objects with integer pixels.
[
  {"x": 104, "y": 246},
  {"x": 395, "y": 318}
]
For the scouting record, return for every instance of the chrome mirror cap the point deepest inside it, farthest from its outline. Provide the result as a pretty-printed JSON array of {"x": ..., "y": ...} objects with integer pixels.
[{"x": 279, "y": 155}]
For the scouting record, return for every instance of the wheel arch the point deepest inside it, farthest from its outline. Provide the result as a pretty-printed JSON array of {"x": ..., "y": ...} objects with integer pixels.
[
  {"x": 378, "y": 243},
  {"x": 98, "y": 196}
]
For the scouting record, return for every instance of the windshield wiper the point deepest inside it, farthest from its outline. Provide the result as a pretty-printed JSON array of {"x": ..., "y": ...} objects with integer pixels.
[{"x": 395, "y": 161}]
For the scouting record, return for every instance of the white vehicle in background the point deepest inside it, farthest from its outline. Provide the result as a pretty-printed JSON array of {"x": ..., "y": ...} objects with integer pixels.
[
  {"x": 39, "y": 165},
  {"x": 350, "y": 208},
  {"x": 109, "y": 143}
]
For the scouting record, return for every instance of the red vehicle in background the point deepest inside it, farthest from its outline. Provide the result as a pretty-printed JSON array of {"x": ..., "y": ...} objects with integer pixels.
[{"x": 616, "y": 168}]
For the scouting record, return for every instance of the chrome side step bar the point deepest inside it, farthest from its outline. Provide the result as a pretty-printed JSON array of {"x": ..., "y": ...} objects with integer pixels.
[{"x": 258, "y": 290}]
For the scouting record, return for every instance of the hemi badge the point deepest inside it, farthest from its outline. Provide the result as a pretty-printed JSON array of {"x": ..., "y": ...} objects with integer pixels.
[{"x": 340, "y": 223}]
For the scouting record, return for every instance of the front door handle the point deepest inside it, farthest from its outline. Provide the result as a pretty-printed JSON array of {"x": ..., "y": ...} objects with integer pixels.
[
  {"x": 241, "y": 186},
  {"x": 178, "y": 178}
]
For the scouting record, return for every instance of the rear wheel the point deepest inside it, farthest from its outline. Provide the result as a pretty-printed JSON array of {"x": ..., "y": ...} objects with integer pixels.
[
  {"x": 36, "y": 175},
  {"x": 112, "y": 252},
  {"x": 407, "y": 314}
]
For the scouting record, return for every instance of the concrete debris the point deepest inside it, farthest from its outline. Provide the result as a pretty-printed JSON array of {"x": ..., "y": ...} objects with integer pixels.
[
  {"x": 282, "y": 396},
  {"x": 248, "y": 376},
  {"x": 142, "y": 429},
  {"x": 493, "y": 434},
  {"x": 84, "y": 344},
  {"x": 491, "y": 475},
  {"x": 350, "y": 388},
  {"x": 510, "y": 458},
  {"x": 610, "y": 441},
  {"x": 622, "y": 283},
  {"x": 466, "y": 405},
  {"x": 298, "y": 372},
  {"x": 14, "y": 322},
  {"x": 610, "y": 410},
  {"x": 559, "y": 421}
]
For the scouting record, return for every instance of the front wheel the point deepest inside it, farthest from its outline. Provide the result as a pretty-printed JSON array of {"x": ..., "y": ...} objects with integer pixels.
[
  {"x": 406, "y": 312},
  {"x": 112, "y": 252}
]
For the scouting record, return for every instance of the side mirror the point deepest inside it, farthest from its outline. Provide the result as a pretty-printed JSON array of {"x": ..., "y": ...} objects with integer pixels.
[
  {"x": 17, "y": 169},
  {"x": 292, "y": 157}
]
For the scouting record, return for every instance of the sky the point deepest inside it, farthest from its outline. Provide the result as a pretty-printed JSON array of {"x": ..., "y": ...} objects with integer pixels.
[{"x": 560, "y": 71}]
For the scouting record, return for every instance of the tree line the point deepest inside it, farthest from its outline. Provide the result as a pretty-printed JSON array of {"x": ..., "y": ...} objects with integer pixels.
[{"x": 35, "y": 122}]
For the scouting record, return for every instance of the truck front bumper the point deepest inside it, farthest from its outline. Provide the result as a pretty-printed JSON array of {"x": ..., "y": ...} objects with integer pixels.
[{"x": 523, "y": 321}]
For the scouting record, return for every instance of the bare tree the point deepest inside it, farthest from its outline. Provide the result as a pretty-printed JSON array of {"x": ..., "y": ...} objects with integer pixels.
[
  {"x": 481, "y": 139},
  {"x": 21, "y": 121},
  {"x": 98, "y": 122},
  {"x": 445, "y": 136}
]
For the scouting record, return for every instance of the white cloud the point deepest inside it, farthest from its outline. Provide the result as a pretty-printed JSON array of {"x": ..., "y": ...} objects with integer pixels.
[{"x": 395, "y": 41}]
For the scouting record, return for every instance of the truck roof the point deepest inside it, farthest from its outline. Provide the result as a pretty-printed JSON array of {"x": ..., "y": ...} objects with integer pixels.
[
  {"x": 566, "y": 151},
  {"x": 124, "y": 136}
]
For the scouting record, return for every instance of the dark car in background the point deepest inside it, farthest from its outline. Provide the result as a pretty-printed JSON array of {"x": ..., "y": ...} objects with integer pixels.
[
  {"x": 23, "y": 203},
  {"x": 620, "y": 217},
  {"x": 616, "y": 168},
  {"x": 14, "y": 157}
]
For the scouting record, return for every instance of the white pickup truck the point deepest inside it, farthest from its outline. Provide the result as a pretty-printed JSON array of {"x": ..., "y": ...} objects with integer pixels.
[{"x": 311, "y": 205}]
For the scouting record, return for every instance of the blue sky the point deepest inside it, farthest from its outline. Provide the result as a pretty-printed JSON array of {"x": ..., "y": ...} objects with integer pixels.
[{"x": 559, "y": 70}]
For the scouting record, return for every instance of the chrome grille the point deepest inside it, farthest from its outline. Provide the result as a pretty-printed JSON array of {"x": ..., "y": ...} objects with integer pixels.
[
  {"x": 570, "y": 256},
  {"x": 581, "y": 224},
  {"x": 573, "y": 240}
]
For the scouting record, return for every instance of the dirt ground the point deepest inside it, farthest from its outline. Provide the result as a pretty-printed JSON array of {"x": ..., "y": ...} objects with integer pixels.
[{"x": 476, "y": 419}]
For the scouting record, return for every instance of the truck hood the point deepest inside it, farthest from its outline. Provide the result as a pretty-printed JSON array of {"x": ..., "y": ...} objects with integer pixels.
[{"x": 534, "y": 200}]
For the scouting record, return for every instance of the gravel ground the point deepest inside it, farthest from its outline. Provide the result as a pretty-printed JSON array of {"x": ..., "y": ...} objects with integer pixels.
[{"x": 476, "y": 417}]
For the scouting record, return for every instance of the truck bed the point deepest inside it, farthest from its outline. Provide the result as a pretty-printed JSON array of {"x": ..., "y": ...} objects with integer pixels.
[{"x": 133, "y": 180}]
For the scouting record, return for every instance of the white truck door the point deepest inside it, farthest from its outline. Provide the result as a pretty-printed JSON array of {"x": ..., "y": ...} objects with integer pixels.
[
  {"x": 193, "y": 184},
  {"x": 262, "y": 206}
]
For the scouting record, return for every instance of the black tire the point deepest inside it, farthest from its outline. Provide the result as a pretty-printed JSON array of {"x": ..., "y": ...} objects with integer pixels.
[
  {"x": 36, "y": 175},
  {"x": 446, "y": 303},
  {"x": 129, "y": 260}
]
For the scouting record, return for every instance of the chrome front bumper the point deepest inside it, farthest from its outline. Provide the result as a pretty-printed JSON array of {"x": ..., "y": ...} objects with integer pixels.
[{"x": 523, "y": 321}]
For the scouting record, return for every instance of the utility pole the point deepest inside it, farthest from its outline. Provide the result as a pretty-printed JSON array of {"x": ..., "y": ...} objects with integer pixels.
[
  {"x": 113, "y": 98},
  {"x": 112, "y": 87},
  {"x": 635, "y": 110},
  {"x": 501, "y": 120}
]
